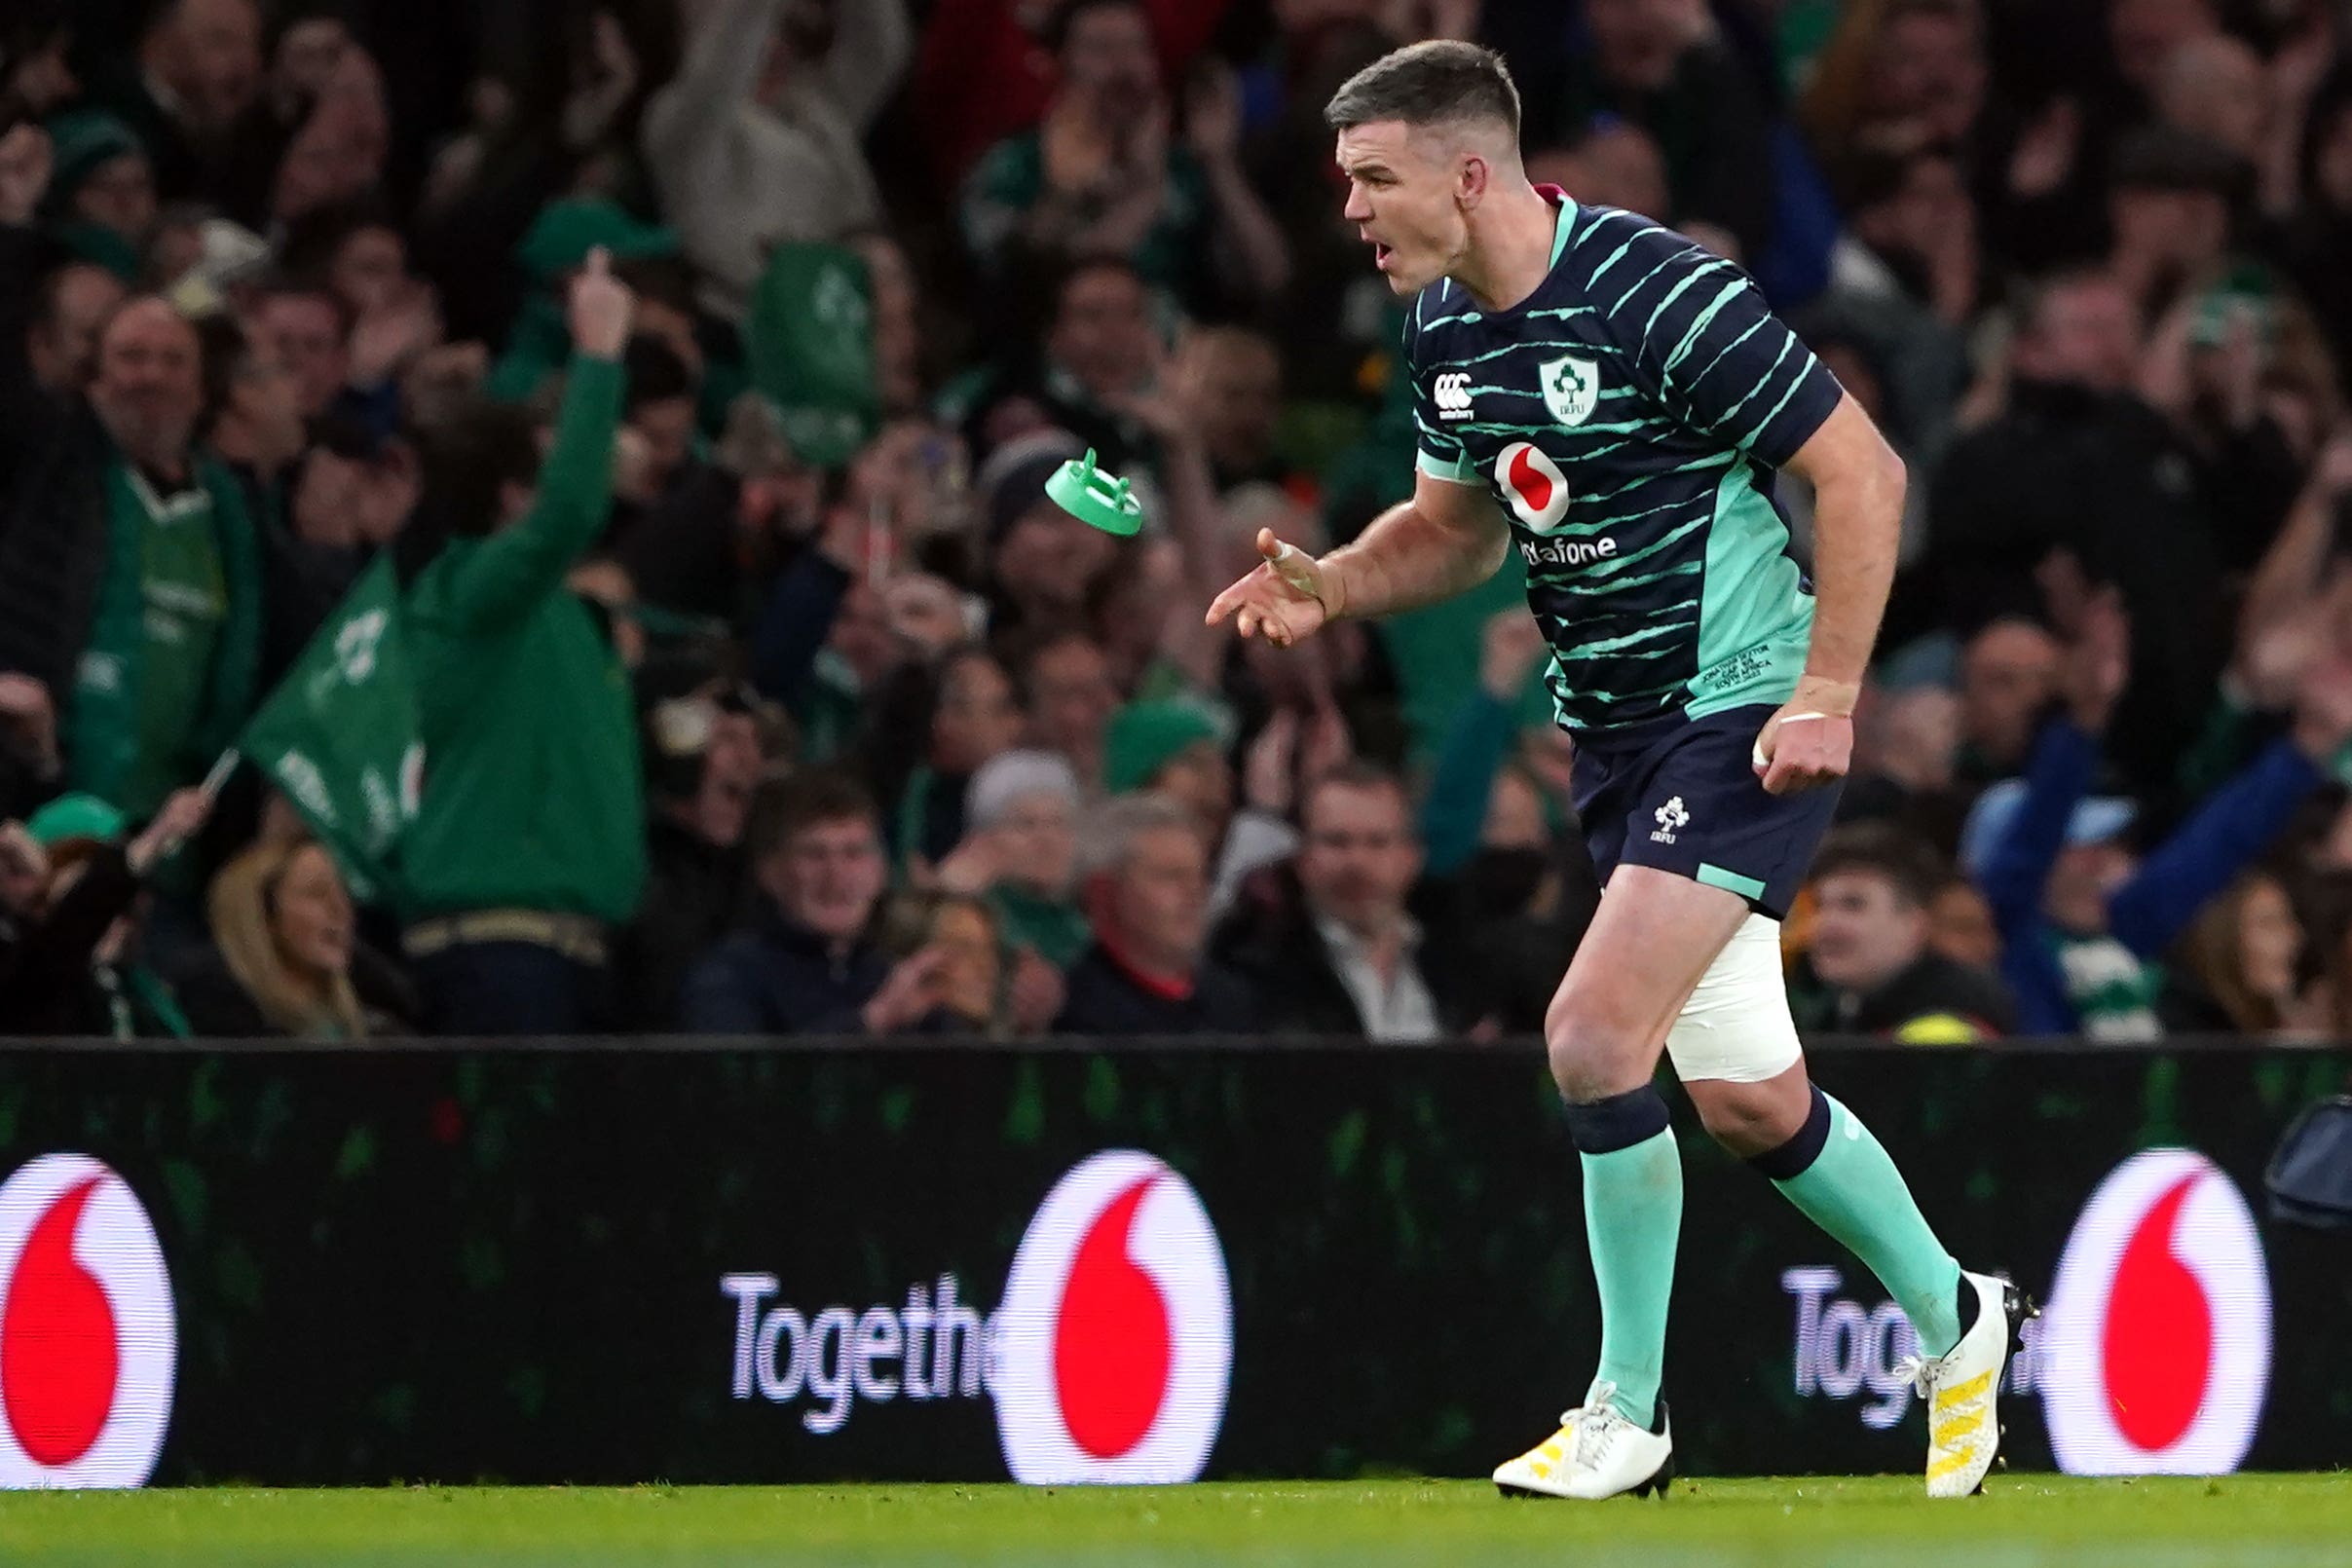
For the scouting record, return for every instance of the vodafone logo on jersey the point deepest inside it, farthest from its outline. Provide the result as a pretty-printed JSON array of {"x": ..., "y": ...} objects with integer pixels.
[
  {"x": 1114, "y": 1343},
  {"x": 1532, "y": 484},
  {"x": 2155, "y": 1343},
  {"x": 88, "y": 1347}
]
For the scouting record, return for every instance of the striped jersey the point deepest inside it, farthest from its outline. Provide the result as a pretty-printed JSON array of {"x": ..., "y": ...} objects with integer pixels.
[{"x": 1626, "y": 416}]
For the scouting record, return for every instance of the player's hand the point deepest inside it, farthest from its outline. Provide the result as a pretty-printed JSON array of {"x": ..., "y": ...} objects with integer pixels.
[
  {"x": 1810, "y": 741},
  {"x": 1288, "y": 598},
  {"x": 602, "y": 309}
]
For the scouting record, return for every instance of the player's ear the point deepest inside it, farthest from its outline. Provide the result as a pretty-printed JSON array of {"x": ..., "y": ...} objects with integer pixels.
[{"x": 1471, "y": 180}]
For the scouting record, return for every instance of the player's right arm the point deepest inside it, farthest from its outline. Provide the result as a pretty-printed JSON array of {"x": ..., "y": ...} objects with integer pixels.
[{"x": 1445, "y": 540}]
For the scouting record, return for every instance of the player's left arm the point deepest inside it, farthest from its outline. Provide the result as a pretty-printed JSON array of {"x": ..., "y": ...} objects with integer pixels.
[{"x": 1858, "y": 483}]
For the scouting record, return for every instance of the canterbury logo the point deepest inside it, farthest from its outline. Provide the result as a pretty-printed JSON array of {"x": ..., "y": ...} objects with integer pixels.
[{"x": 1452, "y": 393}]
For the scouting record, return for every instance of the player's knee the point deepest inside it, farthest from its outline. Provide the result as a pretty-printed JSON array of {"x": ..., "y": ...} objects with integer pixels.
[
  {"x": 1594, "y": 1050},
  {"x": 1750, "y": 1118}
]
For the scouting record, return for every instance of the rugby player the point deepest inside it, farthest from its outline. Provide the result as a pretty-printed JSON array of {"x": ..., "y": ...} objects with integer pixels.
[{"x": 1611, "y": 400}]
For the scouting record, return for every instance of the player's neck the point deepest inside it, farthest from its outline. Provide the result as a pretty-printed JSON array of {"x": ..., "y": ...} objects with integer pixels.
[{"x": 1510, "y": 249}]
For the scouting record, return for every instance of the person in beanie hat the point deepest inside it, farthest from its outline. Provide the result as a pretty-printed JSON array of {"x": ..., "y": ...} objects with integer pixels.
[
  {"x": 76, "y": 968},
  {"x": 1022, "y": 811},
  {"x": 102, "y": 187}
]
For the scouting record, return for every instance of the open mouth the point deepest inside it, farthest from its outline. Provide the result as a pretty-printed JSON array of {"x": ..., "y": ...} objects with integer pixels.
[{"x": 1381, "y": 254}]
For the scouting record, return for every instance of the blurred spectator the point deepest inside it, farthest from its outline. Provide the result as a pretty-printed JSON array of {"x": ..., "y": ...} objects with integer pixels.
[
  {"x": 103, "y": 190},
  {"x": 1174, "y": 748},
  {"x": 2239, "y": 967},
  {"x": 285, "y": 957},
  {"x": 62, "y": 350},
  {"x": 1112, "y": 172},
  {"x": 2082, "y": 918},
  {"x": 1145, "y": 865},
  {"x": 1045, "y": 565},
  {"x": 1960, "y": 925},
  {"x": 961, "y": 712},
  {"x": 193, "y": 99},
  {"x": 1069, "y": 696},
  {"x": 807, "y": 965},
  {"x": 962, "y": 931},
  {"x": 2168, "y": 203},
  {"x": 130, "y": 567},
  {"x": 1613, "y": 163},
  {"x": 302, "y": 327},
  {"x": 1021, "y": 851},
  {"x": 1870, "y": 967},
  {"x": 703, "y": 764},
  {"x": 77, "y": 967},
  {"x": 1229, "y": 389},
  {"x": 529, "y": 846},
  {"x": 1660, "y": 65},
  {"x": 2008, "y": 676},
  {"x": 2079, "y": 465},
  {"x": 2317, "y": 236},
  {"x": 988, "y": 69},
  {"x": 32, "y": 766},
  {"x": 1347, "y": 957},
  {"x": 756, "y": 142}
]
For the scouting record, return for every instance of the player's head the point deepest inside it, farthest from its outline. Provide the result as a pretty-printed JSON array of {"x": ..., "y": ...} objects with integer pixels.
[{"x": 1426, "y": 134}]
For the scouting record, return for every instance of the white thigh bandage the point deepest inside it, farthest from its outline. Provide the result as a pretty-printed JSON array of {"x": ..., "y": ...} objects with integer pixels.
[{"x": 1736, "y": 1027}]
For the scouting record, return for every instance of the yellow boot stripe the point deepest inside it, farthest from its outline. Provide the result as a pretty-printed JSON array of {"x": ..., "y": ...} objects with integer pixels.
[
  {"x": 1939, "y": 1468},
  {"x": 1946, "y": 1399},
  {"x": 1959, "y": 1427}
]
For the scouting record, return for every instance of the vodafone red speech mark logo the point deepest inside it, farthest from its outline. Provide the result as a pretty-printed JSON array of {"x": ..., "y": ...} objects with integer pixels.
[
  {"x": 1534, "y": 485},
  {"x": 1114, "y": 1343},
  {"x": 87, "y": 1346},
  {"x": 2157, "y": 1343}
]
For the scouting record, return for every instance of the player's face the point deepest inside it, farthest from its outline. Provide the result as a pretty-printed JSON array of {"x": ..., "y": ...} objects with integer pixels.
[{"x": 1405, "y": 199}]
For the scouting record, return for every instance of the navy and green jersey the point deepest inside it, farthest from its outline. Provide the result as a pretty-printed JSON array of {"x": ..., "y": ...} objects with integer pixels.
[{"x": 1625, "y": 415}]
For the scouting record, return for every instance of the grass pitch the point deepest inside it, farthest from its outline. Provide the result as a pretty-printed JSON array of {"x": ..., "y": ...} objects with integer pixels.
[{"x": 2274, "y": 1521}]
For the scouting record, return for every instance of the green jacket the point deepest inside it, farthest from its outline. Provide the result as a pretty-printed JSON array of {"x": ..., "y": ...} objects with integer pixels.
[
  {"x": 534, "y": 788},
  {"x": 104, "y": 716}
]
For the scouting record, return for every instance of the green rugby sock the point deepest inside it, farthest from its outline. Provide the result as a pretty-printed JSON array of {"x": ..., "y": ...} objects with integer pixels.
[
  {"x": 1633, "y": 1219},
  {"x": 1852, "y": 1190}
]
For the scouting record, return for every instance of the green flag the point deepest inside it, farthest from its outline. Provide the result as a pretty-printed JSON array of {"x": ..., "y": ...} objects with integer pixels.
[{"x": 340, "y": 736}]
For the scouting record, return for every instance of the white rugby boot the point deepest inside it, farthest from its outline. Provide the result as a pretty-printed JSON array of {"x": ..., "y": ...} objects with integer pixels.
[
  {"x": 1596, "y": 1453},
  {"x": 1960, "y": 1388}
]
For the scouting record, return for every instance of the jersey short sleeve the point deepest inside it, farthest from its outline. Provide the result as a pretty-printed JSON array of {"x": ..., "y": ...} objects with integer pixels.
[
  {"x": 1437, "y": 452},
  {"x": 1697, "y": 329}
]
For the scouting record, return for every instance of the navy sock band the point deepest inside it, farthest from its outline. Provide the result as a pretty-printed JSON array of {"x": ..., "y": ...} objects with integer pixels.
[
  {"x": 1795, "y": 1157},
  {"x": 1618, "y": 1122}
]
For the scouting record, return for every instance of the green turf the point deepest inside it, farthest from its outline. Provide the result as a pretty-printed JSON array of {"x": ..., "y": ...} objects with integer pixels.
[{"x": 2268, "y": 1520}]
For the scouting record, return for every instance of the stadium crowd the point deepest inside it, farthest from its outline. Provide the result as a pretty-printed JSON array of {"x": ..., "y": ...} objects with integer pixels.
[{"x": 697, "y": 365}]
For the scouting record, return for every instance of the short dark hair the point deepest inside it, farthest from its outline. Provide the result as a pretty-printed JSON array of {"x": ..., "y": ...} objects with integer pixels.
[
  {"x": 1884, "y": 850},
  {"x": 1355, "y": 773},
  {"x": 316, "y": 238},
  {"x": 1439, "y": 82},
  {"x": 655, "y": 372},
  {"x": 807, "y": 799},
  {"x": 1064, "y": 19},
  {"x": 471, "y": 459}
]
